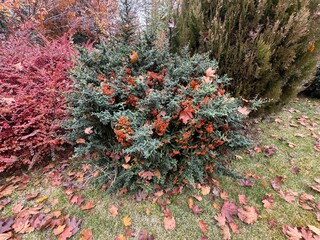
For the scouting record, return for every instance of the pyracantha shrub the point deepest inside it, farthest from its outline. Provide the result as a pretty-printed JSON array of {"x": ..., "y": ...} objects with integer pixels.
[
  {"x": 153, "y": 118},
  {"x": 33, "y": 75}
]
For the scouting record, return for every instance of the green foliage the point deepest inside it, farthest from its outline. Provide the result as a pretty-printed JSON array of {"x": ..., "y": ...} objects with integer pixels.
[
  {"x": 269, "y": 48},
  {"x": 164, "y": 119}
]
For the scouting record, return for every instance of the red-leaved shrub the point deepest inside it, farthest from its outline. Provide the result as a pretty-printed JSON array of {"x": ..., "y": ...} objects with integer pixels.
[{"x": 33, "y": 77}]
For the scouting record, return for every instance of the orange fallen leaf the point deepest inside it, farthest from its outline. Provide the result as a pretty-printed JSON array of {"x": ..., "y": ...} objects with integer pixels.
[
  {"x": 190, "y": 203},
  {"x": 89, "y": 205},
  {"x": 86, "y": 234},
  {"x": 203, "y": 226}
]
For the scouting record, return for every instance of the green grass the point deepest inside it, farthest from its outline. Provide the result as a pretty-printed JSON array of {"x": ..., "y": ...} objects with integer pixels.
[{"x": 267, "y": 133}]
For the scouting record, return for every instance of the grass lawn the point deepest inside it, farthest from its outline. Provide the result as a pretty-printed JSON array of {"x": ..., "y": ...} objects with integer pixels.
[{"x": 286, "y": 155}]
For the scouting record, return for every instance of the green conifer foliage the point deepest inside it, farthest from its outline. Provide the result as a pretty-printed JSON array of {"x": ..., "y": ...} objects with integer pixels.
[
  {"x": 153, "y": 118},
  {"x": 269, "y": 48}
]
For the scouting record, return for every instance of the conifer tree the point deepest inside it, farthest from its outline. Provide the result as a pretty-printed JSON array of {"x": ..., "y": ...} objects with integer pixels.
[{"x": 269, "y": 48}]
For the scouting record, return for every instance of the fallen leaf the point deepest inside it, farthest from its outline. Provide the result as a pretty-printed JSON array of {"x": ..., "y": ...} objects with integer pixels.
[
  {"x": 86, "y": 234},
  {"x": 288, "y": 196},
  {"x": 225, "y": 231},
  {"x": 199, "y": 198},
  {"x": 120, "y": 237},
  {"x": 67, "y": 233},
  {"x": 220, "y": 219},
  {"x": 295, "y": 170},
  {"x": 205, "y": 190},
  {"x": 88, "y": 130},
  {"x": 210, "y": 72},
  {"x": 190, "y": 203},
  {"x": 244, "y": 110},
  {"x": 245, "y": 183},
  {"x": 42, "y": 199},
  {"x": 186, "y": 115},
  {"x": 17, "y": 208},
  {"x": 242, "y": 199},
  {"x": 267, "y": 201},
  {"x": 6, "y": 224},
  {"x": 32, "y": 196},
  {"x": 314, "y": 229},
  {"x": 316, "y": 188},
  {"x": 196, "y": 210},
  {"x": 224, "y": 196},
  {"x": 113, "y": 210},
  {"x": 229, "y": 209},
  {"x": 148, "y": 211},
  {"x": 80, "y": 141},
  {"x": 134, "y": 57},
  {"x": 169, "y": 223},
  {"x": 126, "y": 221},
  {"x": 6, "y": 190},
  {"x": 89, "y": 205},
  {"x": 234, "y": 228},
  {"x": 248, "y": 215},
  {"x": 203, "y": 226},
  {"x": 146, "y": 174},
  {"x": 57, "y": 231},
  {"x": 293, "y": 233},
  {"x": 144, "y": 235},
  {"x": 157, "y": 173},
  {"x": 5, "y": 236}
]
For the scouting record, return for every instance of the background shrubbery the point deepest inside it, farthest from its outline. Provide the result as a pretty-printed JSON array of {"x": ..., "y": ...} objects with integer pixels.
[
  {"x": 314, "y": 89},
  {"x": 151, "y": 117},
  {"x": 269, "y": 48},
  {"x": 33, "y": 75}
]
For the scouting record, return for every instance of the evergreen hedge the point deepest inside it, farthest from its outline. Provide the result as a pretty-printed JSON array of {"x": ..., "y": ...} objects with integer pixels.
[
  {"x": 269, "y": 48},
  {"x": 153, "y": 118}
]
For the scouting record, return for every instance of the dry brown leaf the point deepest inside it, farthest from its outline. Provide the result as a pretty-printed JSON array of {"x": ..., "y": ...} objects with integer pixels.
[
  {"x": 316, "y": 188},
  {"x": 224, "y": 196},
  {"x": 88, "y": 130},
  {"x": 113, "y": 210},
  {"x": 148, "y": 211}
]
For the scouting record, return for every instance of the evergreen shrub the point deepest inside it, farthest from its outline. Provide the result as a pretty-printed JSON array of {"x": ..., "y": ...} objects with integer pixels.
[
  {"x": 269, "y": 48},
  {"x": 153, "y": 118}
]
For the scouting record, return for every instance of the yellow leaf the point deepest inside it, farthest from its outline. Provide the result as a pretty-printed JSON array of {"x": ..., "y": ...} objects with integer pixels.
[
  {"x": 126, "y": 221},
  {"x": 42, "y": 199}
]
